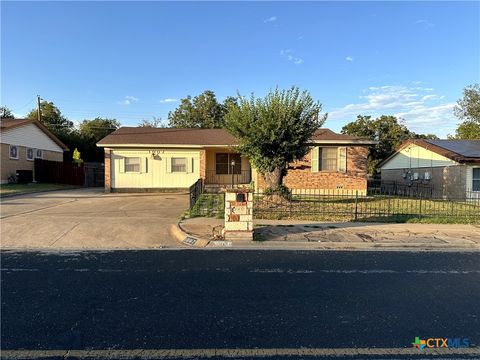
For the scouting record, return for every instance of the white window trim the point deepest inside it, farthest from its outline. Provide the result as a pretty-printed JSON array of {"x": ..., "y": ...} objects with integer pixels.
[
  {"x": 33, "y": 154},
  {"x": 38, "y": 157},
  {"x": 10, "y": 152}
]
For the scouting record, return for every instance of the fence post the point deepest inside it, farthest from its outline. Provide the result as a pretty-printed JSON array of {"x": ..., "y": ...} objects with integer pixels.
[
  {"x": 420, "y": 212},
  {"x": 356, "y": 205}
]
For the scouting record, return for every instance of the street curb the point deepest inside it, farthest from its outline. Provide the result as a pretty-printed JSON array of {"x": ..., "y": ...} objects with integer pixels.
[{"x": 185, "y": 238}]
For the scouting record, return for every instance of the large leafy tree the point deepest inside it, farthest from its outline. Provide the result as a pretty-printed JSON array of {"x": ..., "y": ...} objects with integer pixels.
[
  {"x": 388, "y": 131},
  {"x": 202, "y": 111},
  {"x": 468, "y": 110},
  {"x": 275, "y": 130},
  {"x": 53, "y": 119},
  {"x": 91, "y": 131},
  {"x": 6, "y": 113},
  {"x": 59, "y": 125}
]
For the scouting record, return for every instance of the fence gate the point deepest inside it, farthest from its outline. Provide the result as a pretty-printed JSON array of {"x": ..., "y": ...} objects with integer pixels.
[{"x": 94, "y": 174}]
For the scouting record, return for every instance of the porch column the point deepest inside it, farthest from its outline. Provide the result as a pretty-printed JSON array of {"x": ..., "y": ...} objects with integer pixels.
[
  {"x": 107, "y": 163},
  {"x": 203, "y": 164}
]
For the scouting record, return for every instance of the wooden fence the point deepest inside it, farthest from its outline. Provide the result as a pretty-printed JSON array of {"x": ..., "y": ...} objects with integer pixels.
[{"x": 57, "y": 172}]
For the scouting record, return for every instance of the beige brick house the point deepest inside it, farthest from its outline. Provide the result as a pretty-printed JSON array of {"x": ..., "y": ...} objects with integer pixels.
[
  {"x": 450, "y": 167},
  {"x": 149, "y": 159},
  {"x": 22, "y": 141}
]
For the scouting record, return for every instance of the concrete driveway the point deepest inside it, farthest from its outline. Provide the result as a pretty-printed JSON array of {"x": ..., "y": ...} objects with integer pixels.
[{"x": 90, "y": 219}]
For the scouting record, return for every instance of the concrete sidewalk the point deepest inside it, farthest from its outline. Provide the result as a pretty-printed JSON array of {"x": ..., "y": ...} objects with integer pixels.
[{"x": 290, "y": 234}]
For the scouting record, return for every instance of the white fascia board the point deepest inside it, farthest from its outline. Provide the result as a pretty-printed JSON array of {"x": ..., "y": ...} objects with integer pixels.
[
  {"x": 160, "y": 146},
  {"x": 345, "y": 142}
]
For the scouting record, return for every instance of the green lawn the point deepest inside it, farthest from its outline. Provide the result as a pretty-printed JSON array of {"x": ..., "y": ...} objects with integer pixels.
[
  {"x": 15, "y": 189},
  {"x": 209, "y": 205}
]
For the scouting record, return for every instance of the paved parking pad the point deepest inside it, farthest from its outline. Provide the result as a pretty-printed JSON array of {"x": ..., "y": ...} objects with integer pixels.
[{"x": 90, "y": 219}]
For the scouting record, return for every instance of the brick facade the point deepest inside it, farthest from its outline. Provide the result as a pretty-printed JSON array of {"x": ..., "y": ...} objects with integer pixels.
[
  {"x": 108, "y": 169},
  {"x": 301, "y": 177},
  {"x": 10, "y": 166}
]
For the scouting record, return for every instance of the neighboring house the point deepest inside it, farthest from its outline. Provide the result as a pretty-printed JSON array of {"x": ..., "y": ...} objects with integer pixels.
[
  {"x": 22, "y": 142},
  {"x": 143, "y": 159},
  {"x": 450, "y": 167}
]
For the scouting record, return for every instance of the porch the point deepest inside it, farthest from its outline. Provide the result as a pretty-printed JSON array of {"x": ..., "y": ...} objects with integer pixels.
[{"x": 227, "y": 168}]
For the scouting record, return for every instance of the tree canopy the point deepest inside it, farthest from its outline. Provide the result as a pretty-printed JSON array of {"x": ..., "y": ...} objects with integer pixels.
[
  {"x": 468, "y": 110},
  {"x": 6, "y": 113},
  {"x": 156, "y": 122},
  {"x": 389, "y": 131},
  {"x": 91, "y": 131},
  {"x": 202, "y": 111},
  {"x": 83, "y": 138},
  {"x": 275, "y": 130}
]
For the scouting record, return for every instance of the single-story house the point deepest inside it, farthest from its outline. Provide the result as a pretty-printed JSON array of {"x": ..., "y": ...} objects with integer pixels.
[
  {"x": 23, "y": 141},
  {"x": 451, "y": 167},
  {"x": 147, "y": 159}
]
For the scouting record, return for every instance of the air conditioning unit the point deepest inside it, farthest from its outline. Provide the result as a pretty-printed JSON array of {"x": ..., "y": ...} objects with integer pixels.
[
  {"x": 415, "y": 176},
  {"x": 428, "y": 176}
]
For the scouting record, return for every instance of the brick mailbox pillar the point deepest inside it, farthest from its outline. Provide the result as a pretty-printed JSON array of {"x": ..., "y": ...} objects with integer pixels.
[{"x": 238, "y": 215}]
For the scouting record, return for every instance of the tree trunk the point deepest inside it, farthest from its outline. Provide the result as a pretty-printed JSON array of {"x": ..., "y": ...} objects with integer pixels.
[{"x": 274, "y": 178}]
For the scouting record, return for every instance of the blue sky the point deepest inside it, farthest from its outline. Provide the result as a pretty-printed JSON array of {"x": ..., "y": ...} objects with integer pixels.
[{"x": 134, "y": 60}]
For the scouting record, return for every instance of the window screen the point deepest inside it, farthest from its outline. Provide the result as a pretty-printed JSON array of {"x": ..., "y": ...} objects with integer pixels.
[
  {"x": 29, "y": 154},
  {"x": 328, "y": 158},
  {"x": 223, "y": 163},
  {"x": 132, "y": 164},
  {"x": 179, "y": 165},
  {"x": 476, "y": 179}
]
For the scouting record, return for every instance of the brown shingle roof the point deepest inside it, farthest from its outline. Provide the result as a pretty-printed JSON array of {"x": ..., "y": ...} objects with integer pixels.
[
  {"x": 8, "y": 124},
  {"x": 12, "y": 123},
  {"x": 199, "y": 137}
]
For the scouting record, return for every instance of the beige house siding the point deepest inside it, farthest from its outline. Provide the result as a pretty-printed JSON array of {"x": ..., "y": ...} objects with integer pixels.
[
  {"x": 414, "y": 156},
  {"x": 155, "y": 171},
  {"x": 10, "y": 166},
  {"x": 29, "y": 136}
]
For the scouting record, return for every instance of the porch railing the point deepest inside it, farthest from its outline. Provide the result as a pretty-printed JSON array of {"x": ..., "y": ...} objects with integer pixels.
[
  {"x": 243, "y": 177},
  {"x": 195, "y": 191}
]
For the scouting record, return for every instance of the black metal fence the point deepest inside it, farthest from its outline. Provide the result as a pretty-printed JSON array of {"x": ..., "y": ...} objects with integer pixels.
[
  {"x": 94, "y": 174},
  {"x": 241, "y": 177},
  {"x": 374, "y": 206},
  {"x": 195, "y": 191},
  {"x": 414, "y": 189}
]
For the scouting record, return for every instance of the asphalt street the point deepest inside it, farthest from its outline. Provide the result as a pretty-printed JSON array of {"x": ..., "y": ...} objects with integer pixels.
[{"x": 231, "y": 299}]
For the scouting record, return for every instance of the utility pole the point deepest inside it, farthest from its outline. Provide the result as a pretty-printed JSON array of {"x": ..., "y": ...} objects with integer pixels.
[{"x": 39, "y": 112}]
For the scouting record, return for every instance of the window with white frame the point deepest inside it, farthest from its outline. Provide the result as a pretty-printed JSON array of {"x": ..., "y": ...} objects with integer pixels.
[
  {"x": 38, "y": 154},
  {"x": 328, "y": 158},
  {"x": 179, "y": 165},
  {"x": 13, "y": 152},
  {"x": 132, "y": 164},
  {"x": 30, "y": 153},
  {"x": 476, "y": 179}
]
